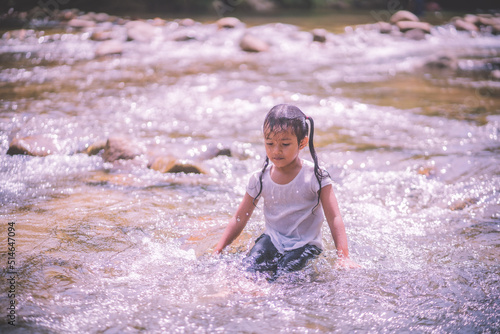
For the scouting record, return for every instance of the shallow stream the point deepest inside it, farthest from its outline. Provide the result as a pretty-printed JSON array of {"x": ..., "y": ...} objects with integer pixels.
[{"x": 117, "y": 247}]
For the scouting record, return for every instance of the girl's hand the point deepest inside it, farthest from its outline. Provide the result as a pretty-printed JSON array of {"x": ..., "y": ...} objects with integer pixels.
[{"x": 347, "y": 263}]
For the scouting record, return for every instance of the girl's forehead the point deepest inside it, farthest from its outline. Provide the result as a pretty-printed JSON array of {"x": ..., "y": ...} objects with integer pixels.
[{"x": 279, "y": 134}]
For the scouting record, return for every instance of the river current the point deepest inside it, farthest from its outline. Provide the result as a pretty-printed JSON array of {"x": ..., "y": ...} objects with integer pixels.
[{"x": 118, "y": 247}]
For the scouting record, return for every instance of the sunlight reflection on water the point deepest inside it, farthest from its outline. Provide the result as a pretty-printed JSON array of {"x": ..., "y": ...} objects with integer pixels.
[{"x": 120, "y": 247}]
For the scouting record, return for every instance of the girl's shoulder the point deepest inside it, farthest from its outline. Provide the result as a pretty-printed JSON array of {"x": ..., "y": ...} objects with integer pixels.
[
  {"x": 256, "y": 174},
  {"x": 324, "y": 176},
  {"x": 309, "y": 166}
]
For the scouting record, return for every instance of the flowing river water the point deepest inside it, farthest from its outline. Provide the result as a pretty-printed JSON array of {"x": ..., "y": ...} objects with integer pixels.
[{"x": 118, "y": 247}]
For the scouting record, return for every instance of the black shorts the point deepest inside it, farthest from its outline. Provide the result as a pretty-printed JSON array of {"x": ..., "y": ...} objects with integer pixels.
[{"x": 264, "y": 257}]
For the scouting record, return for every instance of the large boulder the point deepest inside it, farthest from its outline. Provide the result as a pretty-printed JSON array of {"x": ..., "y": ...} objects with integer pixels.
[
  {"x": 96, "y": 147},
  {"x": 415, "y": 34},
  {"x": 250, "y": 43},
  {"x": 173, "y": 165},
  {"x": 403, "y": 15},
  {"x": 319, "y": 35},
  {"x": 141, "y": 31},
  {"x": 443, "y": 62},
  {"x": 383, "y": 27},
  {"x": 229, "y": 23},
  {"x": 495, "y": 29},
  {"x": 79, "y": 23},
  {"x": 121, "y": 148},
  {"x": 471, "y": 18},
  {"x": 38, "y": 146},
  {"x": 465, "y": 25},
  {"x": 488, "y": 20},
  {"x": 183, "y": 35},
  {"x": 404, "y": 26},
  {"x": 495, "y": 75},
  {"x": 111, "y": 47},
  {"x": 100, "y": 35}
]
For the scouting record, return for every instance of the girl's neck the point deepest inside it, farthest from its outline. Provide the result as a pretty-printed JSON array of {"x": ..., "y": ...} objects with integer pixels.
[{"x": 285, "y": 175}]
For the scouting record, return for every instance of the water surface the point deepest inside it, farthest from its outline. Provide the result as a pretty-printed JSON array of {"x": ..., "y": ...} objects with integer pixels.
[{"x": 117, "y": 247}]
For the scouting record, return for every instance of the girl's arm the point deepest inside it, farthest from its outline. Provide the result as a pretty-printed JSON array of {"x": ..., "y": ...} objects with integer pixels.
[
  {"x": 236, "y": 223},
  {"x": 336, "y": 224}
]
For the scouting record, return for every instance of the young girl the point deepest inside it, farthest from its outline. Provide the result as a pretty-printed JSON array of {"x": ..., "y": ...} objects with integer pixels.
[{"x": 294, "y": 192}]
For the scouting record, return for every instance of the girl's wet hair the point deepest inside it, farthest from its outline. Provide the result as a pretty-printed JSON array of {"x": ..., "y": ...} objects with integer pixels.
[{"x": 283, "y": 117}]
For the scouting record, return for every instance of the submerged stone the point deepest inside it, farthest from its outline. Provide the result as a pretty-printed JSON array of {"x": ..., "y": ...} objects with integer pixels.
[
  {"x": 228, "y": 23},
  {"x": 384, "y": 27},
  {"x": 404, "y": 15},
  {"x": 415, "y": 34},
  {"x": 37, "y": 146},
  {"x": 464, "y": 25},
  {"x": 107, "y": 48},
  {"x": 319, "y": 35},
  {"x": 443, "y": 62},
  {"x": 96, "y": 147},
  {"x": 140, "y": 31},
  {"x": 250, "y": 43},
  {"x": 410, "y": 25},
  {"x": 495, "y": 75},
  {"x": 101, "y": 36},
  {"x": 120, "y": 148},
  {"x": 80, "y": 23},
  {"x": 172, "y": 165}
]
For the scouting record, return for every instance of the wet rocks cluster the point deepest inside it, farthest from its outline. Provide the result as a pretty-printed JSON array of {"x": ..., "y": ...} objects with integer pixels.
[
  {"x": 108, "y": 30},
  {"x": 410, "y": 26},
  {"x": 100, "y": 27},
  {"x": 120, "y": 149}
]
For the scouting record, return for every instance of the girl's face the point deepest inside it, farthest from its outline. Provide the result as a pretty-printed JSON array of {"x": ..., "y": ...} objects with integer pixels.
[{"x": 283, "y": 148}]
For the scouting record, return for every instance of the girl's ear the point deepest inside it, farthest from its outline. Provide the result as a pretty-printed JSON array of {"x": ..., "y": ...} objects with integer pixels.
[{"x": 303, "y": 143}]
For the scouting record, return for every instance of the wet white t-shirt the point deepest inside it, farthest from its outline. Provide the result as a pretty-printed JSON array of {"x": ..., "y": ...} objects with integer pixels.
[{"x": 288, "y": 208}]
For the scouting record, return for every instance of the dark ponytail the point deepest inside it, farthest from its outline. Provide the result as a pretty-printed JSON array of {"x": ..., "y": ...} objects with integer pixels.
[
  {"x": 266, "y": 163},
  {"x": 283, "y": 117},
  {"x": 318, "y": 172}
]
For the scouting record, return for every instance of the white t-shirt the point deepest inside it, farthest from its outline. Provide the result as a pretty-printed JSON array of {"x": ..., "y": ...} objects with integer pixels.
[{"x": 288, "y": 208}]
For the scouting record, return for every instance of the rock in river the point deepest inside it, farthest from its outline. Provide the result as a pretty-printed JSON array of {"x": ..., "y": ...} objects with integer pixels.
[
  {"x": 120, "y": 148},
  {"x": 250, "y": 43},
  {"x": 110, "y": 47},
  {"x": 79, "y": 23},
  {"x": 172, "y": 165},
  {"x": 141, "y": 31},
  {"x": 409, "y": 25},
  {"x": 228, "y": 23},
  {"x": 319, "y": 35},
  {"x": 38, "y": 146},
  {"x": 464, "y": 25},
  {"x": 404, "y": 15}
]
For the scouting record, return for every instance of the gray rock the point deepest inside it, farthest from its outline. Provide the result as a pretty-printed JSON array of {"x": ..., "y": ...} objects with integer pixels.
[
  {"x": 409, "y": 25},
  {"x": 37, "y": 146},
  {"x": 415, "y": 34},
  {"x": 173, "y": 165},
  {"x": 319, "y": 35},
  {"x": 404, "y": 15},
  {"x": 229, "y": 23},
  {"x": 107, "y": 48},
  {"x": 250, "y": 43},
  {"x": 120, "y": 148},
  {"x": 140, "y": 31},
  {"x": 464, "y": 25}
]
